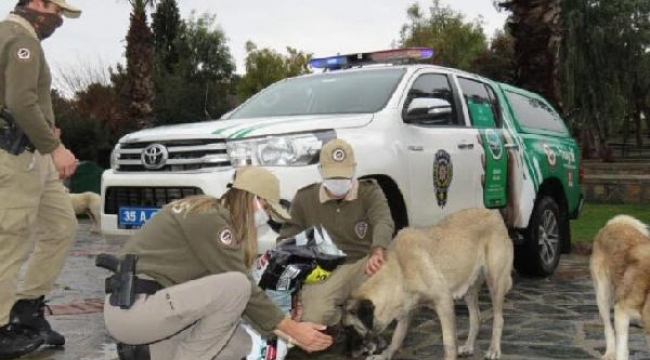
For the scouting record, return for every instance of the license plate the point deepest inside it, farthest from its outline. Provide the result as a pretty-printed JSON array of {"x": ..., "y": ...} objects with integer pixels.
[{"x": 134, "y": 217}]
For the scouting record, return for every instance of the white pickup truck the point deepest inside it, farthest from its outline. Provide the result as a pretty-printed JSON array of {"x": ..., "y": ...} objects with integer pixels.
[{"x": 436, "y": 139}]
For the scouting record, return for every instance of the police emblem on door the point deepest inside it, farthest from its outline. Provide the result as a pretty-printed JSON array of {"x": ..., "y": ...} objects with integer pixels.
[
  {"x": 361, "y": 229},
  {"x": 443, "y": 173}
]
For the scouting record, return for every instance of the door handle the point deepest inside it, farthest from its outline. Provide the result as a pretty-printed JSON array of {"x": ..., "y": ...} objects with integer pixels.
[
  {"x": 465, "y": 146},
  {"x": 415, "y": 148},
  {"x": 512, "y": 146}
]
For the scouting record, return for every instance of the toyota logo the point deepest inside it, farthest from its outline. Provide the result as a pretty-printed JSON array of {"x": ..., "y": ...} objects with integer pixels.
[{"x": 154, "y": 156}]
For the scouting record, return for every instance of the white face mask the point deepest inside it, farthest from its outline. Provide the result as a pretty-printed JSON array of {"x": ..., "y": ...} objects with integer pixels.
[
  {"x": 338, "y": 187},
  {"x": 261, "y": 217}
]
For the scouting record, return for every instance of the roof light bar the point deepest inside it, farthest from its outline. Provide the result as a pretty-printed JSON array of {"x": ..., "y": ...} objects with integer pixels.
[{"x": 360, "y": 59}]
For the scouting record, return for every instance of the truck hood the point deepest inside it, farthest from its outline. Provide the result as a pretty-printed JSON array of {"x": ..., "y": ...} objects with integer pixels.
[{"x": 243, "y": 128}]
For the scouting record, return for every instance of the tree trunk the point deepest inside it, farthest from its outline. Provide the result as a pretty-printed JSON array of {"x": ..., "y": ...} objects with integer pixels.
[
  {"x": 139, "y": 68},
  {"x": 535, "y": 25}
]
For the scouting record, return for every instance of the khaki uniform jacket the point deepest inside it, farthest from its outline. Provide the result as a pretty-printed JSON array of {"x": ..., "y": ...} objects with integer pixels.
[
  {"x": 174, "y": 248},
  {"x": 25, "y": 82},
  {"x": 355, "y": 224}
]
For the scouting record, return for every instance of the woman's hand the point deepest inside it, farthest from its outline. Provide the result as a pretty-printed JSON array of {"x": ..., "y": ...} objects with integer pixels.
[
  {"x": 375, "y": 261},
  {"x": 307, "y": 335}
]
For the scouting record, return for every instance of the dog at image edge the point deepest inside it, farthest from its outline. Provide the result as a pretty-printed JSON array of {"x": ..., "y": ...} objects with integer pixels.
[
  {"x": 620, "y": 270},
  {"x": 90, "y": 204},
  {"x": 432, "y": 267}
]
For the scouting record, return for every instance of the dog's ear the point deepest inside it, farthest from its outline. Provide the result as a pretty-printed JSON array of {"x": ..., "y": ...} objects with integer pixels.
[{"x": 366, "y": 313}]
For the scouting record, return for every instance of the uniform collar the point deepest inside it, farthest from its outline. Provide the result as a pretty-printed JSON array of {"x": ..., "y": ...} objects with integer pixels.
[
  {"x": 24, "y": 23},
  {"x": 352, "y": 194}
]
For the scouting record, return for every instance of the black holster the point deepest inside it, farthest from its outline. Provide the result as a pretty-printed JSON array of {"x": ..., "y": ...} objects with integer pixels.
[
  {"x": 12, "y": 138},
  {"x": 124, "y": 285}
]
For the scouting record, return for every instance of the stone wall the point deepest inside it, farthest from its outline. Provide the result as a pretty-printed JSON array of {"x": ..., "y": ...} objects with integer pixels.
[
  {"x": 617, "y": 189},
  {"x": 617, "y": 183}
]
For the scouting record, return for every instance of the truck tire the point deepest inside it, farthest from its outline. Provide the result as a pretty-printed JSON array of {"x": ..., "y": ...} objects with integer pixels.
[{"x": 540, "y": 254}]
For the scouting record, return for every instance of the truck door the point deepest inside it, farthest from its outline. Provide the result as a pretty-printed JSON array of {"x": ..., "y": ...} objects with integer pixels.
[
  {"x": 442, "y": 150},
  {"x": 484, "y": 115}
]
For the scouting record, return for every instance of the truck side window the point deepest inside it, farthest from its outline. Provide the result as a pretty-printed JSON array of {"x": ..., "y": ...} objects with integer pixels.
[
  {"x": 440, "y": 110},
  {"x": 535, "y": 114},
  {"x": 481, "y": 103}
]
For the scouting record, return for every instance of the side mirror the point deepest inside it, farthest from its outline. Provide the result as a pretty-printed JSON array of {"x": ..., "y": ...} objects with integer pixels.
[{"x": 426, "y": 108}]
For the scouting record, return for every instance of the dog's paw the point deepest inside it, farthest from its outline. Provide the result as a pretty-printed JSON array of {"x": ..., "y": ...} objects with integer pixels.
[
  {"x": 493, "y": 354},
  {"x": 610, "y": 356},
  {"x": 377, "y": 357},
  {"x": 465, "y": 350}
]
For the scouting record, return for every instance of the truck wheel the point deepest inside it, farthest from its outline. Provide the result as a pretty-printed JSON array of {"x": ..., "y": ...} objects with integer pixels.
[{"x": 540, "y": 254}]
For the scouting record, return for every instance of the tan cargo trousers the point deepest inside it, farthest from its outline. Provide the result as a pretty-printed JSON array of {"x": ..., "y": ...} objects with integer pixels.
[
  {"x": 196, "y": 320},
  {"x": 323, "y": 303},
  {"x": 35, "y": 213}
]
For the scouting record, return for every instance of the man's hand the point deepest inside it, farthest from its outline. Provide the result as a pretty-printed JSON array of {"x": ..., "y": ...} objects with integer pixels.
[
  {"x": 57, "y": 132},
  {"x": 307, "y": 335},
  {"x": 375, "y": 261},
  {"x": 64, "y": 161}
]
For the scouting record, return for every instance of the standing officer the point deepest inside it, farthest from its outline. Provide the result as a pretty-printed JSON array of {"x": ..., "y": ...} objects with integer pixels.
[
  {"x": 193, "y": 282},
  {"x": 356, "y": 215},
  {"x": 32, "y": 162}
]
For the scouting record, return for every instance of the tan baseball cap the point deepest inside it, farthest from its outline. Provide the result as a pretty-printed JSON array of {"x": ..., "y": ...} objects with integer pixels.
[
  {"x": 69, "y": 11},
  {"x": 264, "y": 184},
  {"x": 337, "y": 159}
]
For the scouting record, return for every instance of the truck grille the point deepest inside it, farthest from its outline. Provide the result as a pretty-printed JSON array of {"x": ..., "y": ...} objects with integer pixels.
[
  {"x": 144, "y": 196},
  {"x": 172, "y": 156}
]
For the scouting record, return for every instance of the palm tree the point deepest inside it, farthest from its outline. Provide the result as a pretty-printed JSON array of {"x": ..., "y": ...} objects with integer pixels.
[
  {"x": 536, "y": 27},
  {"x": 139, "y": 64}
]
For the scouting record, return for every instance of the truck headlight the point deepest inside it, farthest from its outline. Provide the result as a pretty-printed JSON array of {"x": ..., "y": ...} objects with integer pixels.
[
  {"x": 282, "y": 150},
  {"x": 115, "y": 155}
]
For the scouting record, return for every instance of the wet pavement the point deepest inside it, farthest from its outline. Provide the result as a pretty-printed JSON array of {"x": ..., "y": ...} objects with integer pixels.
[{"x": 555, "y": 318}]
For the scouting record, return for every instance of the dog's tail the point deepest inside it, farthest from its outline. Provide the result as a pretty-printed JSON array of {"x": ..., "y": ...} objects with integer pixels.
[{"x": 630, "y": 221}]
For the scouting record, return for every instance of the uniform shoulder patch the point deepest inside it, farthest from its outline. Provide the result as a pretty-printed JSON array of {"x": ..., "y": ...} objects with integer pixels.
[
  {"x": 226, "y": 236},
  {"x": 23, "y": 54}
]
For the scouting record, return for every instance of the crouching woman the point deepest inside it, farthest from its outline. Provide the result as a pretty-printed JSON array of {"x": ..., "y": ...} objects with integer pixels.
[{"x": 199, "y": 250}]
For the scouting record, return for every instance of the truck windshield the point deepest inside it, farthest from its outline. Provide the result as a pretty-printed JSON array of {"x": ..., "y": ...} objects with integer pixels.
[{"x": 338, "y": 92}]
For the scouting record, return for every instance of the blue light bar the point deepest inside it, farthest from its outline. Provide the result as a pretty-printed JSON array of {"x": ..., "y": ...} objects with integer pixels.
[
  {"x": 377, "y": 57},
  {"x": 332, "y": 62}
]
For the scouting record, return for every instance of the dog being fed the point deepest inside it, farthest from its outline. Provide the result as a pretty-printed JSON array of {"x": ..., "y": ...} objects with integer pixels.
[
  {"x": 432, "y": 267},
  {"x": 620, "y": 270}
]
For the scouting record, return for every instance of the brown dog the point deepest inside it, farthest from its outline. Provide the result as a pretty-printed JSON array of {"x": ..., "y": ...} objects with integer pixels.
[
  {"x": 90, "y": 204},
  {"x": 620, "y": 269},
  {"x": 432, "y": 267}
]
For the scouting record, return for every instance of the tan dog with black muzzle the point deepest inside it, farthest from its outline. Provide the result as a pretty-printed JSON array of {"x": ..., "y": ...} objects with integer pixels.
[{"x": 432, "y": 267}]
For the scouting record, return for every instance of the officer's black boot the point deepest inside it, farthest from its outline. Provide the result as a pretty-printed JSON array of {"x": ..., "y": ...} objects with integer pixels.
[
  {"x": 16, "y": 341},
  {"x": 31, "y": 314},
  {"x": 133, "y": 352}
]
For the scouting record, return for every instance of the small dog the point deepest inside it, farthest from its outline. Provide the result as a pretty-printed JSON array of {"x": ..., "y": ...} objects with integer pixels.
[
  {"x": 433, "y": 266},
  {"x": 90, "y": 204},
  {"x": 620, "y": 270}
]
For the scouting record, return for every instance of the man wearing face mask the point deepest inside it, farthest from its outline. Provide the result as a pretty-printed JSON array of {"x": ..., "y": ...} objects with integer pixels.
[
  {"x": 356, "y": 215},
  {"x": 35, "y": 210}
]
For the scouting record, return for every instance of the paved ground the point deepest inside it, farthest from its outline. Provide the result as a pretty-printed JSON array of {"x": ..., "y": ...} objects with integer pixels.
[{"x": 555, "y": 318}]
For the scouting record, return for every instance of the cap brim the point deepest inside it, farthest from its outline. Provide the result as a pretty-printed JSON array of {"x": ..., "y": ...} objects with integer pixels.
[
  {"x": 71, "y": 12},
  {"x": 279, "y": 214},
  {"x": 337, "y": 171}
]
